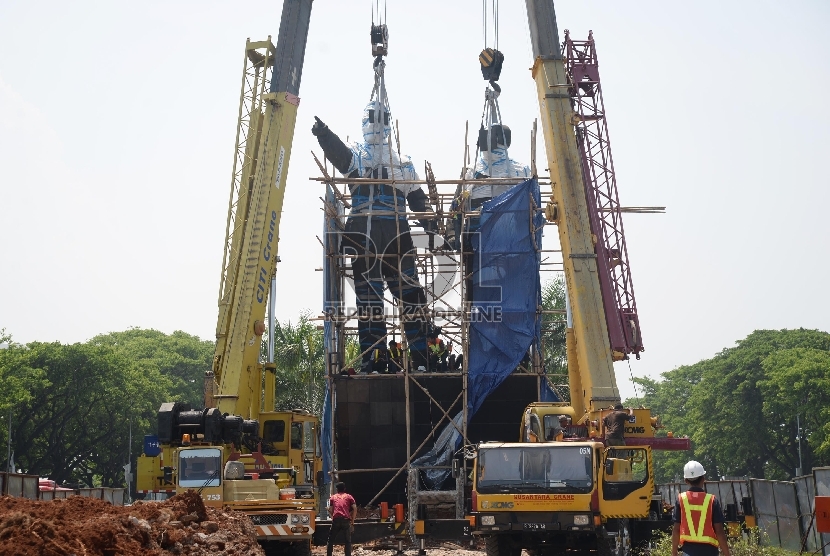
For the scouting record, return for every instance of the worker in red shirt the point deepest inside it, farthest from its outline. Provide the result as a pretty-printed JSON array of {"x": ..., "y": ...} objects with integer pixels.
[
  {"x": 343, "y": 511},
  {"x": 698, "y": 518}
]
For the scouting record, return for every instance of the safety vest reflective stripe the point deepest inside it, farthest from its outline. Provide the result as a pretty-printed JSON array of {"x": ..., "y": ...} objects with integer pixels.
[{"x": 703, "y": 531}]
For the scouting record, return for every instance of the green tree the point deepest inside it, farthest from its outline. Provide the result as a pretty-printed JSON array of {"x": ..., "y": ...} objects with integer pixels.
[
  {"x": 299, "y": 354},
  {"x": 180, "y": 357},
  {"x": 798, "y": 383},
  {"x": 73, "y": 424},
  {"x": 742, "y": 439},
  {"x": 740, "y": 407},
  {"x": 555, "y": 359},
  {"x": 668, "y": 399},
  {"x": 19, "y": 382}
]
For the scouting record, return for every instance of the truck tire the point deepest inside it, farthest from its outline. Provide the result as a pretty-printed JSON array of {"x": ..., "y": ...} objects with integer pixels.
[
  {"x": 500, "y": 545},
  {"x": 614, "y": 546},
  {"x": 284, "y": 548},
  {"x": 301, "y": 548}
]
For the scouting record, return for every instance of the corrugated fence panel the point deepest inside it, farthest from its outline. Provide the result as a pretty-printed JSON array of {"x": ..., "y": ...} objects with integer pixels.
[
  {"x": 805, "y": 492},
  {"x": 118, "y": 496},
  {"x": 111, "y": 495},
  {"x": 729, "y": 492},
  {"x": 114, "y": 496},
  {"x": 30, "y": 486},
  {"x": 763, "y": 499},
  {"x": 742, "y": 489},
  {"x": 714, "y": 488},
  {"x": 786, "y": 508},
  {"x": 671, "y": 491},
  {"x": 14, "y": 485}
]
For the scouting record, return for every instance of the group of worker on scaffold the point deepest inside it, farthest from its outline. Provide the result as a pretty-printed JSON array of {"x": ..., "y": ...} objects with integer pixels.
[{"x": 377, "y": 234}]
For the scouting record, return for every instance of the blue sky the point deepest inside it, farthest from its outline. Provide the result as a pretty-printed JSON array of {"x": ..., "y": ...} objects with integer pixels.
[{"x": 117, "y": 124}]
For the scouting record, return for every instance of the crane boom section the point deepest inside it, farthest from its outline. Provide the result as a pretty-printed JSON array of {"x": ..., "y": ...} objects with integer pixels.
[
  {"x": 256, "y": 74},
  {"x": 238, "y": 373},
  {"x": 596, "y": 385},
  {"x": 265, "y": 132}
]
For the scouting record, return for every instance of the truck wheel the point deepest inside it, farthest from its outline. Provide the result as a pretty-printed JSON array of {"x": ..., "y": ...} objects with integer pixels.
[
  {"x": 283, "y": 548},
  {"x": 501, "y": 546},
  {"x": 614, "y": 545},
  {"x": 302, "y": 548}
]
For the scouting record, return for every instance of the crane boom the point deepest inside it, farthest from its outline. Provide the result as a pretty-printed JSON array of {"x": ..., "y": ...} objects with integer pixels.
[
  {"x": 262, "y": 462},
  {"x": 590, "y": 361},
  {"x": 265, "y": 131},
  {"x": 603, "y": 204}
]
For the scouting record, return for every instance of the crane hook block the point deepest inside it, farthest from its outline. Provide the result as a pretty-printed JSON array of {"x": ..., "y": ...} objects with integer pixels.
[
  {"x": 380, "y": 40},
  {"x": 491, "y": 61}
]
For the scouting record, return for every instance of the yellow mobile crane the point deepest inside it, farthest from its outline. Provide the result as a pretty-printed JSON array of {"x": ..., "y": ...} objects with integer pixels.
[
  {"x": 550, "y": 492},
  {"x": 237, "y": 451}
]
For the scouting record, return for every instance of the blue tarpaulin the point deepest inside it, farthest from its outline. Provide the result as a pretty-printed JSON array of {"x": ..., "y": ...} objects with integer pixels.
[
  {"x": 504, "y": 322},
  {"x": 506, "y": 289},
  {"x": 546, "y": 393}
]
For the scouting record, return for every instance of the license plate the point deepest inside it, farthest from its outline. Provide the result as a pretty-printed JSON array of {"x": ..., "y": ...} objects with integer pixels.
[{"x": 534, "y": 526}]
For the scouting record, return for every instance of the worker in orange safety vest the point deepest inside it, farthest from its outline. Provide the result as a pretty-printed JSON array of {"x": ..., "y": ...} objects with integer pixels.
[{"x": 698, "y": 518}]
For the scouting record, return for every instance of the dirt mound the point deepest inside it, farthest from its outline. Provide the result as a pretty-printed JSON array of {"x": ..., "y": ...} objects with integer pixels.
[{"x": 87, "y": 527}]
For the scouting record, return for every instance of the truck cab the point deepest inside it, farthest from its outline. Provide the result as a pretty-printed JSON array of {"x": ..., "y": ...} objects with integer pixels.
[{"x": 559, "y": 495}]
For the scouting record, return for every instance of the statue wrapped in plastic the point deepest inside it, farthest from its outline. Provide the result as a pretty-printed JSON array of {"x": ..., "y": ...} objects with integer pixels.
[{"x": 377, "y": 234}]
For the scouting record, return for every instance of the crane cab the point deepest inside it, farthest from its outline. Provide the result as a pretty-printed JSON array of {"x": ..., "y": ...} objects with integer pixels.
[
  {"x": 200, "y": 469},
  {"x": 550, "y": 421}
]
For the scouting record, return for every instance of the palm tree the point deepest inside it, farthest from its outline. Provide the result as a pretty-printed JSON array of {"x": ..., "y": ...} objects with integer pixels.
[
  {"x": 300, "y": 358},
  {"x": 555, "y": 358}
]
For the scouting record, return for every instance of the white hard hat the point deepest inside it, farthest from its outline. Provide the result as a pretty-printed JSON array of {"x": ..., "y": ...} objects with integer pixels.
[{"x": 693, "y": 470}]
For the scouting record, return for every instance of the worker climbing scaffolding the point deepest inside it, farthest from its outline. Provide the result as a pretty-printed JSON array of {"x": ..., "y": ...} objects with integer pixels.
[{"x": 377, "y": 234}]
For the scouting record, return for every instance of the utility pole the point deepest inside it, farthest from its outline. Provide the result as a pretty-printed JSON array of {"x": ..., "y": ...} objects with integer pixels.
[
  {"x": 128, "y": 474},
  {"x": 9, "y": 453},
  {"x": 798, "y": 437},
  {"x": 9, "y": 466}
]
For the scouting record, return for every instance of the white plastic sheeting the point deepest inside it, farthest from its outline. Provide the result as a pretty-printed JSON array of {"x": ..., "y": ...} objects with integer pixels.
[
  {"x": 375, "y": 151},
  {"x": 495, "y": 162}
]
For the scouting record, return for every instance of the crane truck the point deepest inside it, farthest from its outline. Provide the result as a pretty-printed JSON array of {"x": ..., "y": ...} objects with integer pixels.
[
  {"x": 553, "y": 491},
  {"x": 237, "y": 451}
]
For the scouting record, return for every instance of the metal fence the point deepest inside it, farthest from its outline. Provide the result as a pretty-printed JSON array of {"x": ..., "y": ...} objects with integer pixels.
[
  {"x": 784, "y": 510},
  {"x": 111, "y": 495},
  {"x": 28, "y": 486},
  {"x": 805, "y": 490},
  {"x": 19, "y": 485},
  {"x": 776, "y": 512},
  {"x": 731, "y": 492}
]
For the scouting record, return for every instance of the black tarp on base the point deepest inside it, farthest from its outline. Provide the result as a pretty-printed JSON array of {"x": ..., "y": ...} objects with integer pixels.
[{"x": 370, "y": 424}]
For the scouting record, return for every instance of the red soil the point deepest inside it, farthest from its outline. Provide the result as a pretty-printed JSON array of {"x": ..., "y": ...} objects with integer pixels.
[{"x": 87, "y": 526}]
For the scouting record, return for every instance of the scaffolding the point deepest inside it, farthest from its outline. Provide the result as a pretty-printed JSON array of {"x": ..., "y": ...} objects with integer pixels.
[{"x": 444, "y": 263}]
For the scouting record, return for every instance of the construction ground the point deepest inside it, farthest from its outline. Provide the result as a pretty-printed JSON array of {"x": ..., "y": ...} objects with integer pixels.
[
  {"x": 181, "y": 525},
  {"x": 87, "y": 526}
]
